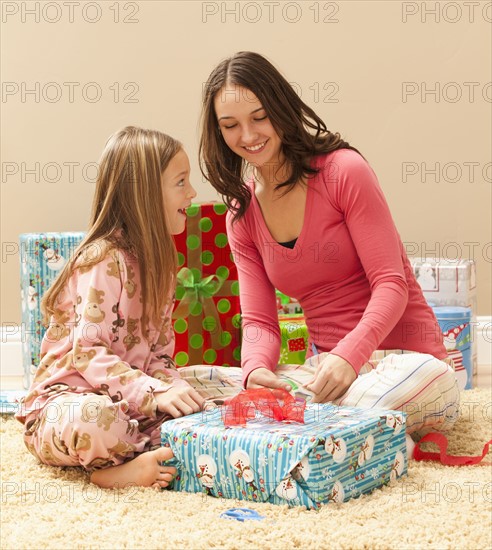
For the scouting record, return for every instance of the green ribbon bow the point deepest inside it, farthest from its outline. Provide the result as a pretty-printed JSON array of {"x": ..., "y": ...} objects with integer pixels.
[
  {"x": 199, "y": 290},
  {"x": 196, "y": 289}
]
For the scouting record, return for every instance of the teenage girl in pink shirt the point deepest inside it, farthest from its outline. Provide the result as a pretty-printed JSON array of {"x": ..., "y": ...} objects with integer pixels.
[{"x": 307, "y": 216}]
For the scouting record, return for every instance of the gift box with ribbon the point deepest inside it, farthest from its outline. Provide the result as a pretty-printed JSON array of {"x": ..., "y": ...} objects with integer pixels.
[
  {"x": 206, "y": 318},
  {"x": 278, "y": 449},
  {"x": 294, "y": 339},
  {"x": 42, "y": 256}
]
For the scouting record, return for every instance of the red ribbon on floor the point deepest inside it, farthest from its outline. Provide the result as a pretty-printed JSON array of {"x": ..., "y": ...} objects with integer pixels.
[
  {"x": 277, "y": 404},
  {"x": 442, "y": 442}
]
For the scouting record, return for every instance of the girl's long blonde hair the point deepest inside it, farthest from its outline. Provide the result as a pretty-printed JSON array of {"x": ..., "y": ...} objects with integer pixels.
[{"x": 128, "y": 213}]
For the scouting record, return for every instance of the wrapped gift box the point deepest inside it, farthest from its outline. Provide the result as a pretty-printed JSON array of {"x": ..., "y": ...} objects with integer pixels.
[
  {"x": 447, "y": 282},
  {"x": 42, "y": 256},
  {"x": 286, "y": 304},
  {"x": 294, "y": 339},
  {"x": 450, "y": 283},
  {"x": 10, "y": 400},
  {"x": 455, "y": 326},
  {"x": 337, "y": 453},
  {"x": 207, "y": 322}
]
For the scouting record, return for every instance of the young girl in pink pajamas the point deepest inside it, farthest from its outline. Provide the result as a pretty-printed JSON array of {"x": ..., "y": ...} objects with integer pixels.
[
  {"x": 107, "y": 381},
  {"x": 307, "y": 216}
]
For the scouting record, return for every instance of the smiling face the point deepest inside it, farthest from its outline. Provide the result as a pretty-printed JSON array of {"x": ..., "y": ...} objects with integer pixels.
[
  {"x": 177, "y": 191},
  {"x": 245, "y": 126}
]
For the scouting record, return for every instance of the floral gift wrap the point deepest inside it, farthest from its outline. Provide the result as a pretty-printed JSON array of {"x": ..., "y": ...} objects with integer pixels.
[
  {"x": 206, "y": 319},
  {"x": 336, "y": 454}
]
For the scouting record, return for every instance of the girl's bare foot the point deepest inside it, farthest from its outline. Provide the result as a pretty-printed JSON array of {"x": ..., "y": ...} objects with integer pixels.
[{"x": 145, "y": 471}]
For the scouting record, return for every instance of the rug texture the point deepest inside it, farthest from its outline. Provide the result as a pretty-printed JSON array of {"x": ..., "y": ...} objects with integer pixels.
[{"x": 435, "y": 506}]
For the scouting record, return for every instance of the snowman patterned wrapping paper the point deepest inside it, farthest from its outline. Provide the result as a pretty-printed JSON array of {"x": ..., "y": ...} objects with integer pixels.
[
  {"x": 337, "y": 454},
  {"x": 42, "y": 256}
]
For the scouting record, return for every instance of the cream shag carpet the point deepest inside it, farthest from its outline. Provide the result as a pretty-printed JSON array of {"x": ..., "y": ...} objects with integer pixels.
[{"x": 433, "y": 507}]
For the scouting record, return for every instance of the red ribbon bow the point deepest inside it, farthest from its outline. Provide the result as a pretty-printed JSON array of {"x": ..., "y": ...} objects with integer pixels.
[{"x": 277, "y": 404}]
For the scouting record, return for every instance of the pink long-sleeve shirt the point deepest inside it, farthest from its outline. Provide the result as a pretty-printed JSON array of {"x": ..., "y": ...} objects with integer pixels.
[
  {"x": 95, "y": 342},
  {"x": 348, "y": 269}
]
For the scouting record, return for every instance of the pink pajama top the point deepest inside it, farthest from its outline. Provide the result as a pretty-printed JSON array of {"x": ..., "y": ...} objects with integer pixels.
[
  {"x": 348, "y": 269},
  {"x": 95, "y": 342}
]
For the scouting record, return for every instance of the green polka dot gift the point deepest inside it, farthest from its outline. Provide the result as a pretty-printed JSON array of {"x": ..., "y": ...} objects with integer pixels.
[{"x": 206, "y": 317}]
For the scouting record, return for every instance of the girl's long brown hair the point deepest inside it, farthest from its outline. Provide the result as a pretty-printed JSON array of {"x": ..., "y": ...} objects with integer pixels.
[
  {"x": 128, "y": 213},
  {"x": 303, "y": 133}
]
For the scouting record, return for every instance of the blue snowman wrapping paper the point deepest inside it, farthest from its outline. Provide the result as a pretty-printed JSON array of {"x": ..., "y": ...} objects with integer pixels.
[
  {"x": 42, "y": 256},
  {"x": 337, "y": 454}
]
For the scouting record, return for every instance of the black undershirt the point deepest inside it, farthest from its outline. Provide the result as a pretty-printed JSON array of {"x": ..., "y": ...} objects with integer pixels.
[{"x": 289, "y": 244}]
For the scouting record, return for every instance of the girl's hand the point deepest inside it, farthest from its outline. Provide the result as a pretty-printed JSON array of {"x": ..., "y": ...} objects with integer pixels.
[
  {"x": 332, "y": 379},
  {"x": 179, "y": 401},
  {"x": 265, "y": 378}
]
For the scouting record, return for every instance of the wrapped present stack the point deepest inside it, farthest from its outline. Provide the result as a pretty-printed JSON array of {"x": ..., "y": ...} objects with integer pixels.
[
  {"x": 333, "y": 455},
  {"x": 42, "y": 257},
  {"x": 450, "y": 287},
  {"x": 206, "y": 318}
]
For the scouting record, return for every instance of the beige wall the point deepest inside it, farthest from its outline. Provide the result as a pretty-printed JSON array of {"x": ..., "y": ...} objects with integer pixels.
[{"x": 372, "y": 51}]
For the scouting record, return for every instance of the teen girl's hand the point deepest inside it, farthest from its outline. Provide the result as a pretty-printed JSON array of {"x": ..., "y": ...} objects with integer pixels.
[
  {"x": 179, "y": 401},
  {"x": 265, "y": 378},
  {"x": 332, "y": 379}
]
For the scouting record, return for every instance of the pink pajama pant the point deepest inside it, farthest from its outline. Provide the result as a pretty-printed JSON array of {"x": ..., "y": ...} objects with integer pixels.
[
  {"x": 89, "y": 430},
  {"x": 92, "y": 431}
]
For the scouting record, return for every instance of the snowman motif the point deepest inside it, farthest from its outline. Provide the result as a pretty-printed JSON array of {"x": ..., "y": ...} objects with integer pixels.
[
  {"x": 53, "y": 260},
  {"x": 395, "y": 422},
  {"x": 207, "y": 471},
  {"x": 398, "y": 464},
  {"x": 337, "y": 448},
  {"x": 366, "y": 450},
  {"x": 287, "y": 489},
  {"x": 240, "y": 461},
  {"x": 426, "y": 277},
  {"x": 450, "y": 337},
  {"x": 32, "y": 296},
  {"x": 302, "y": 470},
  {"x": 337, "y": 493}
]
